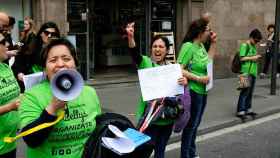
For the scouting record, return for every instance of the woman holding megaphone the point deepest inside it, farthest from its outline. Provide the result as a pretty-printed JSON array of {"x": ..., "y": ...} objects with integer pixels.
[{"x": 39, "y": 107}]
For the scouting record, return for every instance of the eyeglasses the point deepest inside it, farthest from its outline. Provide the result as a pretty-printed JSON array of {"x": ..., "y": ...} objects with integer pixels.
[
  {"x": 50, "y": 34},
  {"x": 257, "y": 40}
]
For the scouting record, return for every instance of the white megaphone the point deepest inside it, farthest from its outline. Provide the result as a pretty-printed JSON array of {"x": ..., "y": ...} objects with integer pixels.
[{"x": 67, "y": 84}]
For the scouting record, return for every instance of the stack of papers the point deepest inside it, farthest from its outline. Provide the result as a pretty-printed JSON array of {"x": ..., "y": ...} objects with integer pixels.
[
  {"x": 124, "y": 142},
  {"x": 33, "y": 79}
]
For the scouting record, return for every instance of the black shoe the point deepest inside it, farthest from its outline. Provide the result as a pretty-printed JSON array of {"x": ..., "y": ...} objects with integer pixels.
[
  {"x": 252, "y": 114},
  {"x": 242, "y": 117}
]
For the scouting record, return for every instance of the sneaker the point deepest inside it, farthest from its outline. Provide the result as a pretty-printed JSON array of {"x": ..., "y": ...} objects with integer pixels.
[
  {"x": 242, "y": 117},
  {"x": 196, "y": 157},
  {"x": 262, "y": 75},
  {"x": 252, "y": 114},
  {"x": 278, "y": 75}
]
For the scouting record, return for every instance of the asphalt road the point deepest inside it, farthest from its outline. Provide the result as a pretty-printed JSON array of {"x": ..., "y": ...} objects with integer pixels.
[{"x": 255, "y": 139}]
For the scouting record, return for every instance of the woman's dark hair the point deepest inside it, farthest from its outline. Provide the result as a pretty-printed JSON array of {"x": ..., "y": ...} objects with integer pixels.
[
  {"x": 164, "y": 39},
  {"x": 256, "y": 34},
  {"x": 270, "y": 26},
  {"x": 37, "y": 45},
  {"x": 56, "y": 42},
  {"x": 196, "y": 27},
  {"x": 12, "y": 21},
  {"x": 47, "y": 25}
]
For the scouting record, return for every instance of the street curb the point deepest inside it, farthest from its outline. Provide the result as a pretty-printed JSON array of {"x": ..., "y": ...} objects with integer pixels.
[
  {"x": 107, "y": 83},
  {"x": 228, "y": 124}
]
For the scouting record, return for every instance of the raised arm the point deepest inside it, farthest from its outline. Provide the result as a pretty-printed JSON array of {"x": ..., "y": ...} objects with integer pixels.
[{"x": 133, "y": 50}]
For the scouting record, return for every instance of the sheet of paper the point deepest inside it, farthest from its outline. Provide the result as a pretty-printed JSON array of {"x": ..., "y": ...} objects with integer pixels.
[
  {"x": 210, "y": 74},
  {"x": 33, "y": 79},
  {"x": 124, "y": 142},
  {"x": 160, "y": 81},
  {"x": 118, "y": 145}
]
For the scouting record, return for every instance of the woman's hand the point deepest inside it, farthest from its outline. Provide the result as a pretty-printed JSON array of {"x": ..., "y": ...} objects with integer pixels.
[
  {"x": 182, "y": 81},
  {"x": 130, "y": 30},
  {"x": 256, "y": 57},
  {"x": 213, "y": 37},
  {"x": 20, "y": 76},
  {"x": 203, "y": 79},
  {"x": 14, "y": 105},
  {"x": 130, "y": 34},
  {"x": 12, "y": 53},
  {"x": 55, "y": 105}
]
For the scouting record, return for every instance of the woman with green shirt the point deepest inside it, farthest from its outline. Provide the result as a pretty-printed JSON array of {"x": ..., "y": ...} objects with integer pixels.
[
  {"x": 161, "y": 129},
  {"x": 249, "y": 67},
  {"x": 194, "y": 59},
  {"x": 9, "y": 92},
  {"x": 67, "y": 138}
]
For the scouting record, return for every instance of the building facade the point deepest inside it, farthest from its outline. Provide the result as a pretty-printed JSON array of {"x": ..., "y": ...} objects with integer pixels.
[{"x": 93, "y": 25}]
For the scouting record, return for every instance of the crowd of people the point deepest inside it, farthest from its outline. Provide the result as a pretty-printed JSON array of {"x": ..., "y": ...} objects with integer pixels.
[{"x": 46, "y": 51}]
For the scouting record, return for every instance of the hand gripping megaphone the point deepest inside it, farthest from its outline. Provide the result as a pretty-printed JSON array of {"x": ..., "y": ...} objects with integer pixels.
[{"x": 67, "y": 84}]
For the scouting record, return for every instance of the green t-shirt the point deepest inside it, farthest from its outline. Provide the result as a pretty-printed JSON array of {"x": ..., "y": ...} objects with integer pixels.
[
  {"x": 195, "y": 58},
  {"x": 36, "y": 68},
  {"x": 248, "y": 50},
  {"x": 148, "y": 63},
  {"x": 9, "y": 90},
  {"x": 68, "y": 137}
]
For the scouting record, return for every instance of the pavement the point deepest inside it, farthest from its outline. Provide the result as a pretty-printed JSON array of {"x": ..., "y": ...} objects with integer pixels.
[{"x": 121, "y": 95}]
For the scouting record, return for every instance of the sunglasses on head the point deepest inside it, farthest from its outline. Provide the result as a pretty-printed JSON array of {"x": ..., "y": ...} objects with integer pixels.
[{"x": 51, "y": 34}]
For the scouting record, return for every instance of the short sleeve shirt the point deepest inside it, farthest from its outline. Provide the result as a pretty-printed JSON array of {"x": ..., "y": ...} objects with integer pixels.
[
  {"x": 248, "y": 67},
  {"x": 195, "y": 58}
]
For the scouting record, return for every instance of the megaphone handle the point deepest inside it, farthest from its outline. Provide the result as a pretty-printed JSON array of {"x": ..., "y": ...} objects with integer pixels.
[{"x": 66, "y": 110}]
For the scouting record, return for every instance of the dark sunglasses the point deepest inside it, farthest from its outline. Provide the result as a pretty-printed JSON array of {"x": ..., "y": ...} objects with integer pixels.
[{"x": 52, "y": 34}]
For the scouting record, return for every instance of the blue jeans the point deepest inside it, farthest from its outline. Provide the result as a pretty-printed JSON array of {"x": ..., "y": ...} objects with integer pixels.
[
  {"x": 160, "y": 135},
  {"x": 245, "y": 98},
  {"x": 198, "y": 104}
]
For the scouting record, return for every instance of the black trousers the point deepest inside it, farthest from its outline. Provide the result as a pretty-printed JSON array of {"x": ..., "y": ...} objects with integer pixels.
[
  {"x": 11, "y": 154},
  {"x": 267, "y": 61}
]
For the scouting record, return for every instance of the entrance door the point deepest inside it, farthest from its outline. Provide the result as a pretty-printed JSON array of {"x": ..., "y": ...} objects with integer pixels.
[
  {"x": 77, "y": 17},
  {"x": 110, "y": 50}
]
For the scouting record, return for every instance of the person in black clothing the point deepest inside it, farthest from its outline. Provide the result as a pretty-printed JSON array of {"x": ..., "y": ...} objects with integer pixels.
[
  {"x": 21, "y": 64},
  {"x": 11, "y": 49},
  {"x": 28, "y": 61},
  {"x": 269, "y": 51}
]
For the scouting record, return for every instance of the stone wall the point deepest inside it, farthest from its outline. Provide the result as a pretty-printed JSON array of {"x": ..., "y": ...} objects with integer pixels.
[
  {"x": 233, "y": 20},
  {"x": 51, "y": 10}
]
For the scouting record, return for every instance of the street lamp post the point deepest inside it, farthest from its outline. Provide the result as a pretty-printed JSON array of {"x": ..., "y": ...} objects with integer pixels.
[{"x": 275, "y": 50}]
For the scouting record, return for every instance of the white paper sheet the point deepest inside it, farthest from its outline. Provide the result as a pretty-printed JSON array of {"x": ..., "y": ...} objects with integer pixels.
[
  {"x": 33, "y": 79},
  {"x": 124, "y": 142},
  {"x": 160, "y": 81},
  {"x": 210, "y": 75}
]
